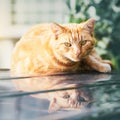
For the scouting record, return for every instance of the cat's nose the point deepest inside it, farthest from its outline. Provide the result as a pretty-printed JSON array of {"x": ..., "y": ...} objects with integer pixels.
[{"x": 77, "y": 53}]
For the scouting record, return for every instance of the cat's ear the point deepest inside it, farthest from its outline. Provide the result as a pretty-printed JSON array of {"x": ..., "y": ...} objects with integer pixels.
[
  {"x": 89, "y": 25},
  {"x": 53, "y": 105},
  {"x": 57, "y": 29}
]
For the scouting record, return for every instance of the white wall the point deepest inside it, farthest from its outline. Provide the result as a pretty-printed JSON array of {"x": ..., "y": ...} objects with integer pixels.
[
  {"x": 16, "y": 16},
  {"x": 6, "y": 47}
]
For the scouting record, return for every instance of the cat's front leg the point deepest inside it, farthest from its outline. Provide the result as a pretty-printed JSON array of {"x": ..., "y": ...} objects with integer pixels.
[{"x": 97, "y": 64}]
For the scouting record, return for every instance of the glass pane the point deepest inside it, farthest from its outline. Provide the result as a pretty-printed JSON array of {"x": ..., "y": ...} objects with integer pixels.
[{"x": 61, "y": 96}]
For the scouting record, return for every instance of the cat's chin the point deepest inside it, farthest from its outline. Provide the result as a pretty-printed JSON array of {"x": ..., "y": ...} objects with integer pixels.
[{"x": 74, "y": 60}]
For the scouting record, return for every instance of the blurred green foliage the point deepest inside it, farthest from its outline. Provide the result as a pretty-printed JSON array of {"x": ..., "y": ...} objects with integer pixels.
[{"x": 107, "y": 27}]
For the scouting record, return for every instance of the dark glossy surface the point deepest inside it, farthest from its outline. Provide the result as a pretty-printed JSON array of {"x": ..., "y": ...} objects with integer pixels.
[{"x": 85, "y": 96}]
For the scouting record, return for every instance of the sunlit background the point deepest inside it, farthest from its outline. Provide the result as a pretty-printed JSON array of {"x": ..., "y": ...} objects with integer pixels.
[{"x": 17, "y": 16}]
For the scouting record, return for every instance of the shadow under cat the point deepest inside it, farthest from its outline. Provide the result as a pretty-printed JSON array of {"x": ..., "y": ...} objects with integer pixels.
[{"x": 64, "y": 91}]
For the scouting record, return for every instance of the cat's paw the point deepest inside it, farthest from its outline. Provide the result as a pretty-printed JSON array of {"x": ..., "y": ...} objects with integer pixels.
[
  {"x": 105, "y": 68},
  {"x": 107, "y": 62}
]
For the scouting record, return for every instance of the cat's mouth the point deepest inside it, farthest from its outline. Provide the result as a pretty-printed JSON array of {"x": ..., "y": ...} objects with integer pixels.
[
  {"x": 74, "y": 59},
  {"x": 77, "y": 58},
  {"x": 76, "y": 104}
]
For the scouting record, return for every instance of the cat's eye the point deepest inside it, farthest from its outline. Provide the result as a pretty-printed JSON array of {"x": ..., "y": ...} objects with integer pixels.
[
  {"x": 67, "y": 44},
  {"x": 83, "y": 42},
  {"x": 81, "y": 99},
  {"x": 66, "y": 96}
]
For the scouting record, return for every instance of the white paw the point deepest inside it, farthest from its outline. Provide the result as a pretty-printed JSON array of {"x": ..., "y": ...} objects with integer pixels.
[{"x": 105, "y": 68}]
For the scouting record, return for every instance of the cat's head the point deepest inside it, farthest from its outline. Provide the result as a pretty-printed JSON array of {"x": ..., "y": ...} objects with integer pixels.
[
  {"x": 73, "y": 41},
  {"x": 69, "y": 100}
]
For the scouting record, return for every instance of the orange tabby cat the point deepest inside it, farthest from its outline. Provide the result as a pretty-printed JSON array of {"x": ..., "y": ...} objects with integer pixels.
[{"x": 52, "y": 48}]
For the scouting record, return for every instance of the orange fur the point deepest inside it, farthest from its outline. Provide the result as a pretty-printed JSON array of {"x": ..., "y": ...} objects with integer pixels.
[{"x": 53, "y": 48}]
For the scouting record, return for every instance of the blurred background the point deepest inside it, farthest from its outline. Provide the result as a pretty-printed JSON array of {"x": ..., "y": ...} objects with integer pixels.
[{"x": 17, "y": 16}]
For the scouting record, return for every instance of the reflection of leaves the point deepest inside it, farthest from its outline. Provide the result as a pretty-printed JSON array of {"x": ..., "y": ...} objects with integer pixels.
[
  {"x": 106, "y": 99},
  {"x": 108, "y": 92}
]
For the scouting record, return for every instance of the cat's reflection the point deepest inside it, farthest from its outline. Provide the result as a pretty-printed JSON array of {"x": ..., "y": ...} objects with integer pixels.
[{"x": 78, "y": 98}]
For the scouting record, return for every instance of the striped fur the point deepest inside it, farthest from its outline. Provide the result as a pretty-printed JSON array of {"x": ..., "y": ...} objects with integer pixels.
[{"x": 52, "y": 48}]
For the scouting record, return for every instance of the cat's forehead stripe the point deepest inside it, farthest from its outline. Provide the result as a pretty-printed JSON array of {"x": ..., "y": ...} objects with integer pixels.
[{"x": 76, "y": 35}]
